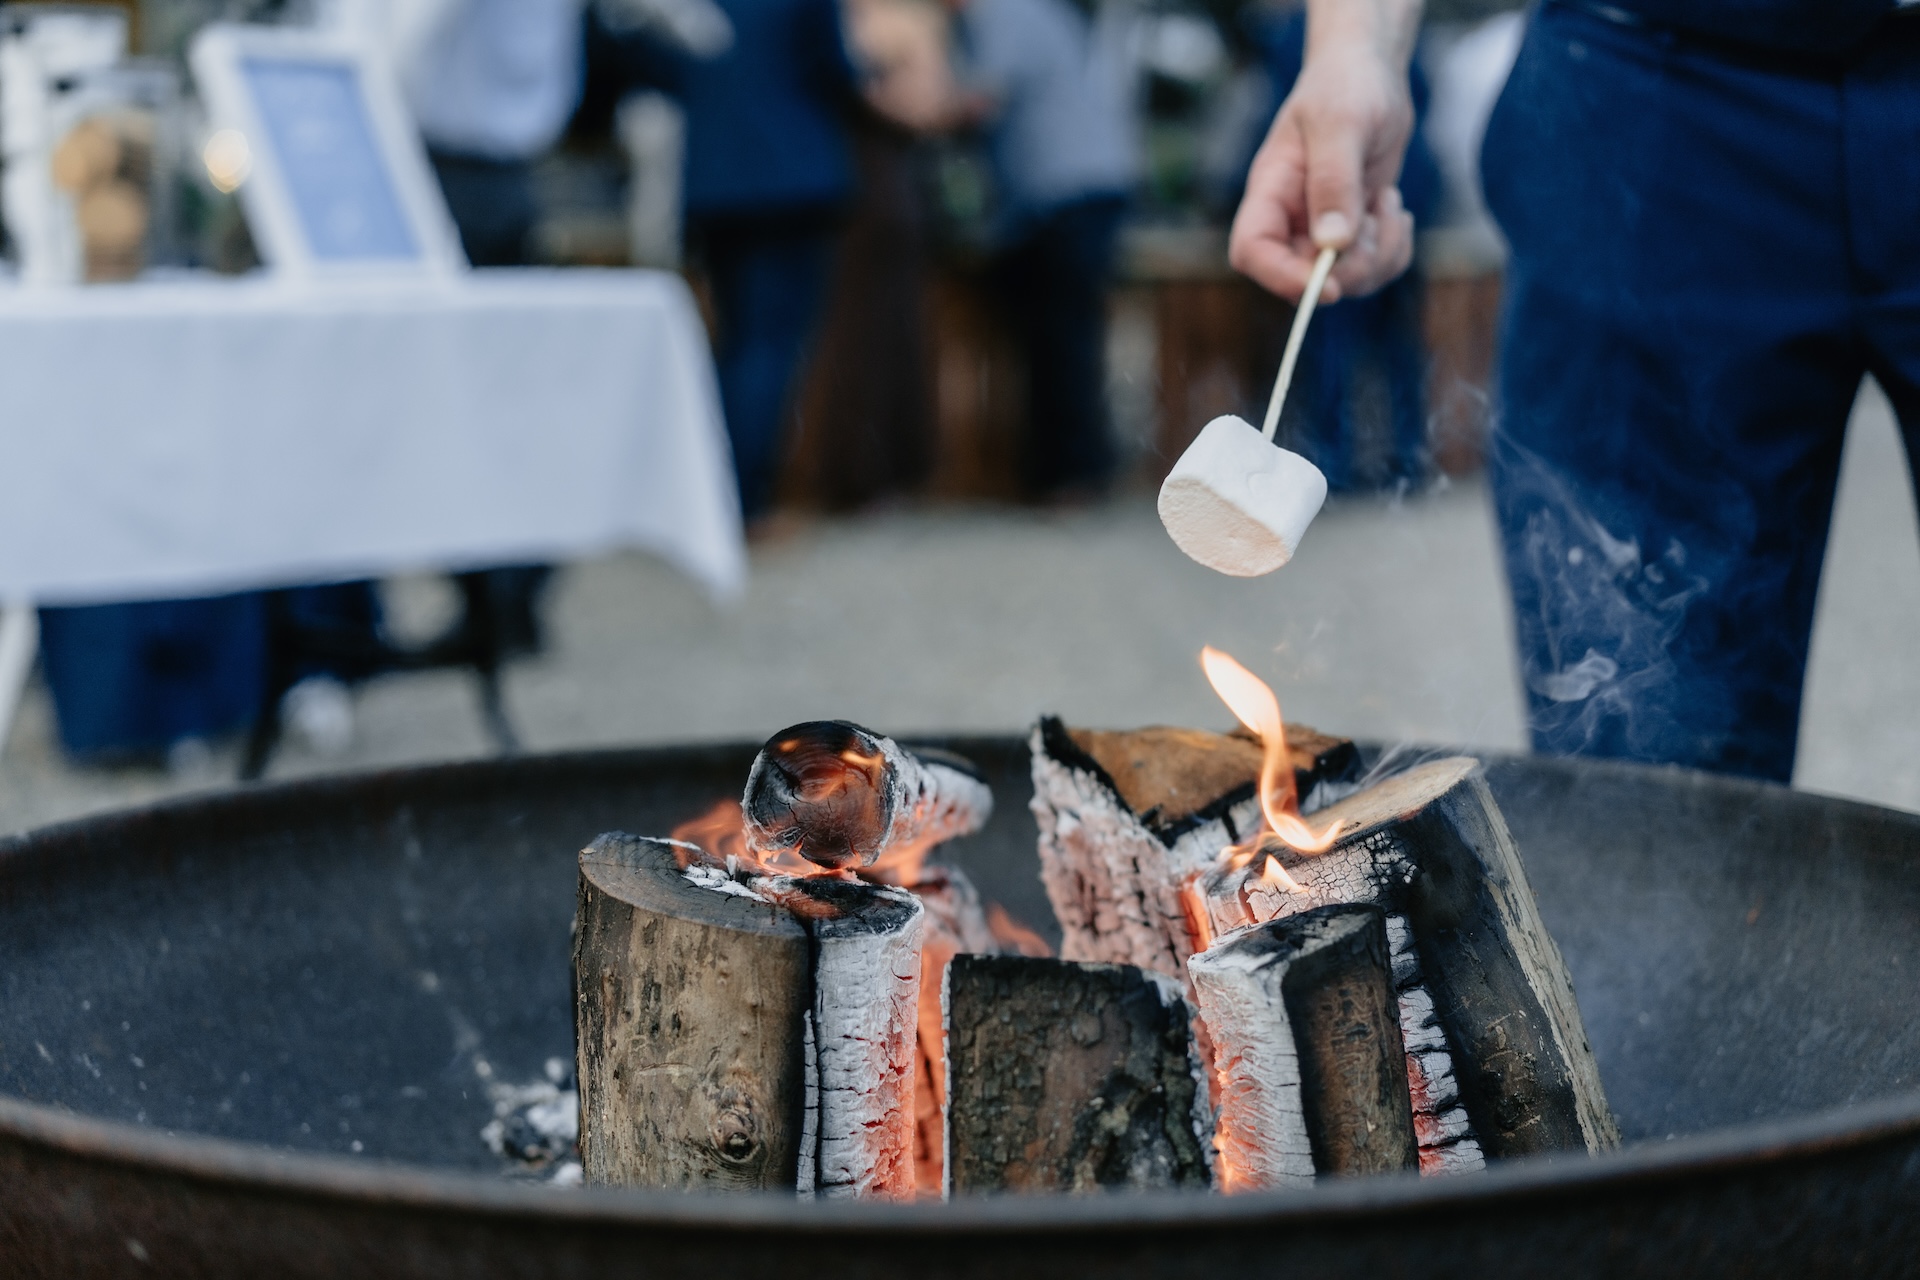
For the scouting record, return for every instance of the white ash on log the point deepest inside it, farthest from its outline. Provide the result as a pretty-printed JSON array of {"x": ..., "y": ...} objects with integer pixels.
[
  {"x": 841, "y": 796},
  {"x": 830, "y": 793},
  {"x": 1430, "y": 845},
  {"x": 1068, "y": 1077},
  {"x": 1440, "y": 1124},
  {"x": 740, "y": 1029},
  {"x": 1304, "y": 1027},
  {"x": 688, "y": 1005},
  {"x": 1129, "y": 819},
  {"x": 865, "y": 1028}
]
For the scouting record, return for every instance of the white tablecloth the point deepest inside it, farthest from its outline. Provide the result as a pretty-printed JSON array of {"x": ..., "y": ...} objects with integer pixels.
[{"x": 204, "y": 435}]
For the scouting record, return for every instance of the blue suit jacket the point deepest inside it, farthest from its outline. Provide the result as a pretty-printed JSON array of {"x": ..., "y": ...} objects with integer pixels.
[{"x": 765, "y": 127}]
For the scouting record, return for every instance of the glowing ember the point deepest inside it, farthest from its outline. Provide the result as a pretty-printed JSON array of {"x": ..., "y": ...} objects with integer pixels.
[
  {"x": 721, "y": 832},
  {"x": 1015, "y": 939},
  {"x": 955, "y": 923},
  {"x": 1254, "y": 705}
]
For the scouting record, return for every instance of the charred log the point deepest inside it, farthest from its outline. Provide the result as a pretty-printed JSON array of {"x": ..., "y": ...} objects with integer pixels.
[
  {"x": 1310, "y": 1073},
  {"x": 865, "y": 1015},
  {"x": 1069, "y": 1077},
  {"x": 1430, "y": 845},
  {"x": 841, "y": 796},
  {"x": 956, "y": 924}
]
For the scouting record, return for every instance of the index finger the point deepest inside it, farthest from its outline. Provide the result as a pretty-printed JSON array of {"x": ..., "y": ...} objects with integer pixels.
[{"x": 1267, "y": 242}]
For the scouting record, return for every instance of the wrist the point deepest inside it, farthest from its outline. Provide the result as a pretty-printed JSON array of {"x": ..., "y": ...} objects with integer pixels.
[{"x": 1385, "y": 28}]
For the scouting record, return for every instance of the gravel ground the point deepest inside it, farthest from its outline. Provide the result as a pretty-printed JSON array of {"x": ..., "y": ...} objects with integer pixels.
[{"x": 1391, "y": 625}]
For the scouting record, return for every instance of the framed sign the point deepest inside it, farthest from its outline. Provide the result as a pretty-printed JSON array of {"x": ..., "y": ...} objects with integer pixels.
[{"x": 330, "y": 170}]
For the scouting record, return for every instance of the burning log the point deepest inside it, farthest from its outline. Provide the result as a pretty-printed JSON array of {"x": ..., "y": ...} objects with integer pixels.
[
  {"x": 1127, "y": 820},
  {"x": 688, "y": 1005},
  {"x": 1069, "y": 1077},
  {"x": 957, "y": 924},
  {"x": 1310, "y": 1073},
  {"x": 742, "y": 1029},
  {"x": 840, "y": 796},
  {"x": 1429, "y": 845},
  {"x": 829, "y": 793},
  {"x": 1445, "y": 1135},
  {"x": 864, "y": 1023}
]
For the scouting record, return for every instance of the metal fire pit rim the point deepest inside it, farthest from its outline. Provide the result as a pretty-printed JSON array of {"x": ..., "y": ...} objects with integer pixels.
[
  {"x": 221, "y": 1163},
  {"x": 266, "y": 799},
  {"x": 316, "y": 1176}
]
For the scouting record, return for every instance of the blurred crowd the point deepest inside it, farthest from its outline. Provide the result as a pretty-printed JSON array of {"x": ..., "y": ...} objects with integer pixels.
[
  {"x": 814, "y": 163},
  {"x": 831, "y": 174}
]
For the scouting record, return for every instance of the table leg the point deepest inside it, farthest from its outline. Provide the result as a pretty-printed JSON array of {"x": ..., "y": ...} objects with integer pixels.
[{"x": 19, "y": 640}]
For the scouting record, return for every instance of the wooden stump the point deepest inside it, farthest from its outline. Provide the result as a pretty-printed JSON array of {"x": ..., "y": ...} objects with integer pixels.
[
  {"x": 689, "y": 1006},
  {"x": 1430, "y": 844},
  {"x": 1069, "y": 1077},
  {"x": 743, "y": 1031},
  {"x": 1304, "y": 1025}
]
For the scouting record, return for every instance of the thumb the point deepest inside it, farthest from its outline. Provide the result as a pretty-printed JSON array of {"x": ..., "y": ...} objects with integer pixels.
[{"x": 1336, "y": 160}]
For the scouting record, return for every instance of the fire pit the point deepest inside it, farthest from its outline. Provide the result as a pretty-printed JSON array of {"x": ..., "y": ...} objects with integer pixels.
[{"x": 261, "y": 1034}]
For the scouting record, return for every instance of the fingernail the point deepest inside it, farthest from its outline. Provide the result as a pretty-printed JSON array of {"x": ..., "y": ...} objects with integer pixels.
[{"x": 1332, "y": 231}]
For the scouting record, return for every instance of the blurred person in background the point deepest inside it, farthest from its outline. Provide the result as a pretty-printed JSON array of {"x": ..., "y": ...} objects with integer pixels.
[
  {"x": 1710, "y": 209},
  {"x": 865, "y": 416},
  {"x": 492, "y": 84},
  {"x": 1363, "y": 366},
  {"x": 157, "y": 681},
  {"x": 769, "y": 172},
  {"x": 1054, "y": 90}
]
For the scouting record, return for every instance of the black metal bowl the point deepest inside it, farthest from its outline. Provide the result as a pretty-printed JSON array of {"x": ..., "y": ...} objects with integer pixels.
[{"x": 249, "y": 1035}]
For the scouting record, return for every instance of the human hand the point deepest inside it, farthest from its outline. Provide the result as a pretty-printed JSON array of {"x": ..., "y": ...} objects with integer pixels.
[{"x": 1324, "y": 177}]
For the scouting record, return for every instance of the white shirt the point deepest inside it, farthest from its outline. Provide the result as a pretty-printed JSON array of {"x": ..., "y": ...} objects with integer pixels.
[
  {"x": 1066, "y": 126},
  {"x": 494, "y": 78}
]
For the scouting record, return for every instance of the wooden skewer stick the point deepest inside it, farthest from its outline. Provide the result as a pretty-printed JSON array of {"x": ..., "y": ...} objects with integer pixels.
[{"x": 1322, "y": 268}]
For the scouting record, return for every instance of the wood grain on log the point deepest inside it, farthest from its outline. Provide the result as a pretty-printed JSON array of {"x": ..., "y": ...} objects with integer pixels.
[
  {"x": 1430, "y": 844},
  {"x": 1305, "y": 1032},
  {"x": 689, "y": 1010},
  {"x": 1069, "y": 1077}
]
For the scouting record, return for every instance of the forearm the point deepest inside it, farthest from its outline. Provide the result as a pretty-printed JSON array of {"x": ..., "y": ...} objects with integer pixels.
[{"x": 1389, "y": 27}]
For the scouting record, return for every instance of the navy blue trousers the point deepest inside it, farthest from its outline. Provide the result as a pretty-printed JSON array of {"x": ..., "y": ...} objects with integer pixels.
[
  {"x": 130, "y": 680},
  {"x": 1052, "y": 280},
  {"x": 1711, "y": 248},
  {"x": 769, "y": 273}
]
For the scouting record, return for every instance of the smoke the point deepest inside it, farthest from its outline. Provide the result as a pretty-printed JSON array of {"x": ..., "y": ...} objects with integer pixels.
[{"x": 1599, "y": 616}]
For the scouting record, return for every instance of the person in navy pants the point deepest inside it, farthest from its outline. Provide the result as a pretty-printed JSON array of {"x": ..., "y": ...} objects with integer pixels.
[{"x": 1714, "y": 215}]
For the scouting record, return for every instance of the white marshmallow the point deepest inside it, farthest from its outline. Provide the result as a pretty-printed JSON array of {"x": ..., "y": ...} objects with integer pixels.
[{"x": 1238, "y": 503}]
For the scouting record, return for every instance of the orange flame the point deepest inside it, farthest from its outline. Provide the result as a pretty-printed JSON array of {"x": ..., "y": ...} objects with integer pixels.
[
  {"x": 722, "y": 832},
  {"x": 1254, "y": 705},
  {"x": 1014, "y": 938}
]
